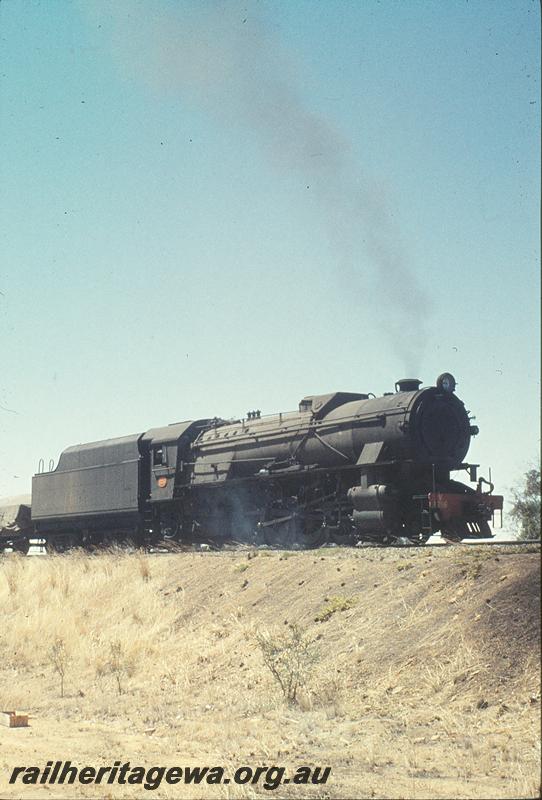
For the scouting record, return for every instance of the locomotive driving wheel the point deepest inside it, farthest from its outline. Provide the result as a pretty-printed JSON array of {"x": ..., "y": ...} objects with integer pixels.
[
  {"x": 311, "y": 533},
  {"x": 281, "y": 534},
  {"x": 297, "y": 532}
]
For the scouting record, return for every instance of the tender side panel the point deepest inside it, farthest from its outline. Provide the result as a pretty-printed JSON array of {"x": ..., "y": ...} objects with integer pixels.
[{"x": 97, "y": 478}]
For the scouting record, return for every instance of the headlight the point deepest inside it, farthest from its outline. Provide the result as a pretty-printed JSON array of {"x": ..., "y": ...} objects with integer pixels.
[{"x": 446, "y": 382}]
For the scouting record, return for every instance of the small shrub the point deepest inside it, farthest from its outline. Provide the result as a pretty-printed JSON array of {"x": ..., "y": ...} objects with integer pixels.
[
  {"x": 333, "y": 605},
  {"x": 471, "y": 569},
  {"x": 241, "y": 567},
  {"x": 117, "y": 665},
  {"x": 60, "y": 659},
  {"x": 290, "y": 657}
]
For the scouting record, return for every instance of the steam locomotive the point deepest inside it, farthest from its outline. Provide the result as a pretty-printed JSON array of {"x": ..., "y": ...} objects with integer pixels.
[{"x": 344, "y": 467}]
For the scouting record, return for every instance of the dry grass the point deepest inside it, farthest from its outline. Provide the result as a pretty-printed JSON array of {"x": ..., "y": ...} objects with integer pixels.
[{"x": 426, "y": 685}]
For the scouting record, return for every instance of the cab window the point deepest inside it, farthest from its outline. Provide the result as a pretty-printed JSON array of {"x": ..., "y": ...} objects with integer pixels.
[{"x": 159, "y": 456}]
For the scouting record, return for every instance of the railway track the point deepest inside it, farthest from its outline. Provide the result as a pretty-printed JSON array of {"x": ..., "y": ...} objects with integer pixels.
[{"x": 234, "y": 548}]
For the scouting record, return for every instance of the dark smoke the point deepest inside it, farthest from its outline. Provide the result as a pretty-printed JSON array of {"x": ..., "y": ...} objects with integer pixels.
[{"x": 222, "y": 58}]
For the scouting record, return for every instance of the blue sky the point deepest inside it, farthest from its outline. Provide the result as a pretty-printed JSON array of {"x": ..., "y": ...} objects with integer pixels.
[{"x": 211, "y": 207}]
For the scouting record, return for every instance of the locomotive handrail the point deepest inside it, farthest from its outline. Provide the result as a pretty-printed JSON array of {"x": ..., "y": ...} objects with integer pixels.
[
  {"x": 378, "y": 420},
  {"x": 258, "y": 429},
  {"x": 91, "y": 466}
]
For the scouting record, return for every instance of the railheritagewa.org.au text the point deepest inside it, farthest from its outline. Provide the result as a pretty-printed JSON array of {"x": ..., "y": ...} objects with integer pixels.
[{"x": 150, "y": 778}]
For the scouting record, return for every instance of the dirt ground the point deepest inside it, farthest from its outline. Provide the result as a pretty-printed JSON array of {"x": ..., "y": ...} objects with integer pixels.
[{"x": 424, "y": 679}]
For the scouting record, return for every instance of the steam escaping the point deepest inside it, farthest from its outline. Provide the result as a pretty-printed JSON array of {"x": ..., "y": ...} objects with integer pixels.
[{"x": 220, "y": 57}]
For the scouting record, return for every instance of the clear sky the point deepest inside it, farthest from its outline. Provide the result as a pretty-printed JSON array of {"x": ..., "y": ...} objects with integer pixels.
[{"x": 209, "y": 207}]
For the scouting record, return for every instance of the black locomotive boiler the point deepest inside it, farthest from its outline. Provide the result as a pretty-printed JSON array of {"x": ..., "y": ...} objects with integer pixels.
[{"x": 344, "y": 467}]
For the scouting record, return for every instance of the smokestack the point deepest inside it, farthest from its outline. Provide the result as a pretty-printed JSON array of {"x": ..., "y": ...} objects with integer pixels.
[{"x": 408, "y": 385}]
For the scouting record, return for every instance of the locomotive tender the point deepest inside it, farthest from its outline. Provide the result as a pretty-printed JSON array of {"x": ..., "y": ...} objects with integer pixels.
[{"x": 345, "y": 467}]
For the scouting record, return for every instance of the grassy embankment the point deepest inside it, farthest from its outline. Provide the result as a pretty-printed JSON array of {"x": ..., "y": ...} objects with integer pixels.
[{"x": 425, "y": 680}]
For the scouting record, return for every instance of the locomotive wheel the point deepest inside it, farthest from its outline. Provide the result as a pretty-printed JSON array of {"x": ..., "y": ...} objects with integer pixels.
[
  {"x": 61, "y": 543},
  {"x": 343, "y": 536},
  {"x": 52, "y": 545},
  {"x": 454, "y": 531},
  {"x": 281, "y": 535},
  {"x": 419, "y": 539},
  {"x": 310, "y": 536},
  {"x": 296, "y": 533}
]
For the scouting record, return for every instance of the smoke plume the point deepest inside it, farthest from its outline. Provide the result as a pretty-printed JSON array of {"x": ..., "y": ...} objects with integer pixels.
[{"x": 222, "y": 58}]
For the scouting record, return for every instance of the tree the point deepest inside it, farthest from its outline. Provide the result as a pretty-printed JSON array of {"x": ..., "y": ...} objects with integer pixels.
[{"x": 526, "y": 505}]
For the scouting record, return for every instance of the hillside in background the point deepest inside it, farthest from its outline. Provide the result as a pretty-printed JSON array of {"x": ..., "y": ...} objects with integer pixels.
[{"x": 425, "y": 681}]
